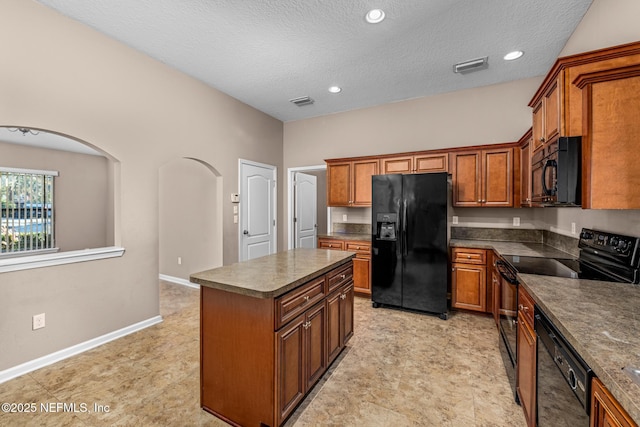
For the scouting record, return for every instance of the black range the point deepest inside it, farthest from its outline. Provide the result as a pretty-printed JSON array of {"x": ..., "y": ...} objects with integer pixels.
[{"x": 603, "y": 256}]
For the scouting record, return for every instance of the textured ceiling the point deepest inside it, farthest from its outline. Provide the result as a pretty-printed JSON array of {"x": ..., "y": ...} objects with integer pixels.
[{"x": 265, "y": 52}]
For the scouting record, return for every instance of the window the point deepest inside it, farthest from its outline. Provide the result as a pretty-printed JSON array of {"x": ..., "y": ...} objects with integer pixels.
[{"x": 26, "y": 202}]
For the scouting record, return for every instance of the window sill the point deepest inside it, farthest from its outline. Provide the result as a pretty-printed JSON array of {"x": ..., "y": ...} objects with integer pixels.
[{"x": 48, "y": 260}]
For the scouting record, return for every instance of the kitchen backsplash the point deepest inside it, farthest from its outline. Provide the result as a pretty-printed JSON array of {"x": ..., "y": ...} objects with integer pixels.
[
  {"x": 351, "y": 228},
  {"x": 555, "y": 240}
]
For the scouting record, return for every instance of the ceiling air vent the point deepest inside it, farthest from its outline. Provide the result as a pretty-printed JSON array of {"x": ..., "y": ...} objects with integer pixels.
[
  {"x": 302, "y": 101},
  {"x": 472, "y": 65}
]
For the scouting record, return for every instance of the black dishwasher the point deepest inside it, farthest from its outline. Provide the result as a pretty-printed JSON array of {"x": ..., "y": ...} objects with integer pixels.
[{"x": 563, "y": 379}]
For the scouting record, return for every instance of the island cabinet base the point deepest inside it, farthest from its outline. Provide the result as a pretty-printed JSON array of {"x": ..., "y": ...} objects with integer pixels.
[{"x": 259, "y": 357}]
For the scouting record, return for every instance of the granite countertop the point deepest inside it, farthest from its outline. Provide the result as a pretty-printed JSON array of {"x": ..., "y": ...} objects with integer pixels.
[
  {"x": 272, "y": 275},
  {"x": 601, "y": 320},
  {"x": 362, "y": 237}
]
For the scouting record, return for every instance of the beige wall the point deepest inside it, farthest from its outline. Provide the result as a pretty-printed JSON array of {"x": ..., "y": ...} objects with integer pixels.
[
  {"x": 190, "y": 223},
  {"x": 80, "y": 192},
  {"x": 60, "y": 75}
]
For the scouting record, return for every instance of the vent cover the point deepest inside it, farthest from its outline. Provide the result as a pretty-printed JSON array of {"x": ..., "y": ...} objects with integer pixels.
[
  {"x": 472, "y": 65},
  {"x": 302, "y": 101}
]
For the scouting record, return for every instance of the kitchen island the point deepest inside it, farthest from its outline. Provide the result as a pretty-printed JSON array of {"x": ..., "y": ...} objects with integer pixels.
[{"x": 269, "y": 328}]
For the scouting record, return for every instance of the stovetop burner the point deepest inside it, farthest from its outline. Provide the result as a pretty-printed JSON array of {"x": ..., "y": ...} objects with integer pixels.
[{"x": 603, "y": 256}]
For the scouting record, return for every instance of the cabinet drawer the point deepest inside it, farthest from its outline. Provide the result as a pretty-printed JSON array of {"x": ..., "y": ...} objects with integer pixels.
[
  {"x": 339, "y": 277},
  {"x": 330, "y": 244},
  {"x": 469, "y": 256},
  {"x": 359, "y": 248},
  {"x": 525, "y": 305},
  {"x": 295, "y": 302}
]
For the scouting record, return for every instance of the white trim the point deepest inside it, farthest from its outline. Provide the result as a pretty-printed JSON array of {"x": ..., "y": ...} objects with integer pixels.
[
  {"x": 29, "y": 171},
  {"x": 65, "y": 353},
  {"x": 69, "y": 257},
  {"x": 290, "y": 207},
  {"x": 179, "y": 281}
]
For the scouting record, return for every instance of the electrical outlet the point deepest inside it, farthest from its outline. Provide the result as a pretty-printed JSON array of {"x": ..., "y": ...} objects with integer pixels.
[
  {"x": 454, "y": 220},
  {"x": 573, "y": 228},
  {"x": 516, "y": 221},
  {"x": 179, "y": 260},
  {"x": 344, "y": 217},
  {"x": 38, "y": 321}
]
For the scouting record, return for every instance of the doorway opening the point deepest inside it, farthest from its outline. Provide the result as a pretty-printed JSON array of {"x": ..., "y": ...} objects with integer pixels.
[{"x": 298, "y": 228}]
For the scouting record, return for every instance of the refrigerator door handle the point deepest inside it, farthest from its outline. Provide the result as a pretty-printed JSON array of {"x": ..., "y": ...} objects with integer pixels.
[{"x": 405, "y": 249}]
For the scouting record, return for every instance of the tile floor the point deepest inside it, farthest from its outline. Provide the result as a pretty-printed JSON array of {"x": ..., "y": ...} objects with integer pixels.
[{"x": 400, "y": 369}]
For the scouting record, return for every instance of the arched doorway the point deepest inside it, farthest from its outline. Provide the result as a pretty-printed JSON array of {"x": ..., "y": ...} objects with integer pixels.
[{"x": 190, "y": 219}]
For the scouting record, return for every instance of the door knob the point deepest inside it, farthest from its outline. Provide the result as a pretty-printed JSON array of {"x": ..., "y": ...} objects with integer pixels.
[{"x": 245, "y": 232}]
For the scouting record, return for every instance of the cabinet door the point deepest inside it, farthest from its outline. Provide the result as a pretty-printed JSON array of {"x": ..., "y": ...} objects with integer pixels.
[
  {"x": 526, "y": 367},
  {"x": 468, "y": 287},
  {"x": 538, "y": 126},
  {"x": 335, "y": 339},
  {"x": 525, "y": 175},
  {"x": 361, "y": 182},
  {"x": 497, "y": 182},
  {"x": 466, "y": 170},
  {"x": 605, "y": 409},
  {"x": 291, "y": 375},
  {"x": 338, "y": 184},
  {"x": 551, "y": 101},
  {"x": 397, "y": 165},
  {"x": 316, "y": 344},
  {"x": 431, "y": 163},
  {"x": 346, "y": 313},
  {"x": 361, "y": 274}
]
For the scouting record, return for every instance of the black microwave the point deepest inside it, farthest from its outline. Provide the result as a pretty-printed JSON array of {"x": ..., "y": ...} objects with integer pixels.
[{"x": 556, "y": 173}]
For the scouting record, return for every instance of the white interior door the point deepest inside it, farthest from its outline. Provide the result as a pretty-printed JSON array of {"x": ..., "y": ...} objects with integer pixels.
[
  {"x": 257, "y": 210},
  {"x": 305, "y": 210}
]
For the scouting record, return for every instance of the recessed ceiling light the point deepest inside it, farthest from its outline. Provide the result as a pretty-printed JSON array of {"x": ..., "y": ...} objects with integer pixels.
[
  {"x": 335, "y": 89},
  {"x": 513, "y": 55},
  {"x": 374, "y": 16}
]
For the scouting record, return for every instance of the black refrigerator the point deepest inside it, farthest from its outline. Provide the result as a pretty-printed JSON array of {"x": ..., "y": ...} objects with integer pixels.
[{"x": 409, "y": 242}]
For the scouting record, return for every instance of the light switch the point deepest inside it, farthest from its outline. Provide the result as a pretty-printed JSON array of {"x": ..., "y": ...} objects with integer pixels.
[
  {"x": 235, "y": 209},
  {"x": 235, "y": 219}
]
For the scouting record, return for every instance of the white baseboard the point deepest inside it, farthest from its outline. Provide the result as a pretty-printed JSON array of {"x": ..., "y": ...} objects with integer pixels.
[
  {"x": 179, "y": 281},
  {"x": 43, "y": 361}
]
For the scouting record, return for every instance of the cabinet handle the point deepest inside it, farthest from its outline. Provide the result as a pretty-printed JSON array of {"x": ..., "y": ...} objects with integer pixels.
[
  {"x": 306, "y": 298},
  {"x": 358, "y": 247},
  {"x": 523, "y": 307},
  {"x": 453, "y": 269},
  {"x": 468, "y": 256},
  {"x": 343, "y": 276},
  {"x": 343, "y": 296},
  {"x": 480, "y": 201},
  {"x": 306, "y": 325}
]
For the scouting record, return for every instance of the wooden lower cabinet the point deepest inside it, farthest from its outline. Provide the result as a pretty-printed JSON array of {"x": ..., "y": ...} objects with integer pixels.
[
  {"x": 469, "y": 279},
  {"x": 339, "y": 320},
  {"x": 361, "y": 263},
  {"x": 605, "y": 409},
  {"x": 526, "y": 357},
  {"x": 301, "y": 357}
]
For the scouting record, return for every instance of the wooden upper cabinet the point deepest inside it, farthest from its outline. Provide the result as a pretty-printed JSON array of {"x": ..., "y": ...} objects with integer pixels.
[
  {"x": 361, "y": 185},
  {"x": 338, "y": 184},
  {"x": 393, "y": 165},
  {"x": 349, "y": 182},
  {"x": 538, "y": 126},
  {"x": 547, "y": 113},
  {"x": 419, "y": 163},
  {"x": 526, "y": 142},
  {"x": 483, "y": 178},
  {"x": 466, "y": 168},
  {"x": 611, "y": 136}
]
